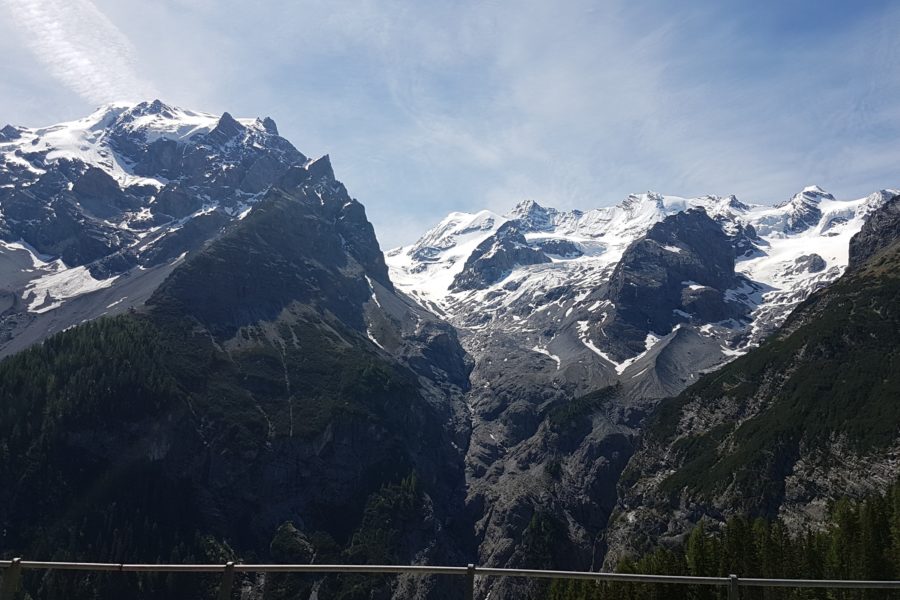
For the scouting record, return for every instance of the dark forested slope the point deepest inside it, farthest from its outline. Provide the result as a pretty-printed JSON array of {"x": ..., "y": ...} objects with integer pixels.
[
  {"x": 274, "y": 390},
  {"x": 811, "y": 415}
]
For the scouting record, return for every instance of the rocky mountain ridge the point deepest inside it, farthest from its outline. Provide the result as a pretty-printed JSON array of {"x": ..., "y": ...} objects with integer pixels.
[
  {"x": 640, "y": 299},
  {"x": 807, "y": 418},
  {"x": 268, "y": 393},
  {"x": 94, "y": 213},
  {"x": 481, "y": 391}
]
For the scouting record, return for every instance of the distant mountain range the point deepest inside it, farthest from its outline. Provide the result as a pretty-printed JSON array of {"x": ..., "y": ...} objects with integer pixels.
[
  {"x": 537, "y": 389},
  {"x": 646, "y": 296},
  {"x": 478, "y": 269}
]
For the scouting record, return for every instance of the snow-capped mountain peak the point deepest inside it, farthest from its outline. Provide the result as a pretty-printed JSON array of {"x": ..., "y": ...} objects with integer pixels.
[
  {"x": 120, "y": 196},
  {"x": 533, "y": 216},
  {"x": 815, "y": 190},
  {"x": 802, "y": 210},
  {"x": 538, "y": 269},
  {"x": 114, "y": 136},
  {"x": 649, "y": 197}
]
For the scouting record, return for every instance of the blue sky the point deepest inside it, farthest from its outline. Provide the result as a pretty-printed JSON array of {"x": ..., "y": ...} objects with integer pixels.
[{"x": 431, "y": 107}]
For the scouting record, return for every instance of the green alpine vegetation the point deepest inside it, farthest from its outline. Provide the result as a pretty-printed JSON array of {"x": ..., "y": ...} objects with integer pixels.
[
  {"x": 90, "y": 421},
  {"x": 241, "y": 414},
  {"x": 390, "y": 513},
  {"x": 861, "y": 540},
  {"x": 830, "y": 376}
]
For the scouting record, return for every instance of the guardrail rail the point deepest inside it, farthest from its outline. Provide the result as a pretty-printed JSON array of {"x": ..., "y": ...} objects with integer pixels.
[{"x": 12, "y": 574}]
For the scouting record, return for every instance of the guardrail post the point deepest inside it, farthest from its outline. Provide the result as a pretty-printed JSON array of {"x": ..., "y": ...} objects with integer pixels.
[
  {"x": 11, "y": 580},
  {"x": 732, "y": 587},
  {"x": 470, "y": 582},
  {"x": 227, "y": 582}
]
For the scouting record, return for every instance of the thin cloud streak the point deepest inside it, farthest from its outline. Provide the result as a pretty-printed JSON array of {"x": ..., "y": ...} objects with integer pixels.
[
  {"x": 428, "y": 108},
  {"x": 80, "y": 47}
]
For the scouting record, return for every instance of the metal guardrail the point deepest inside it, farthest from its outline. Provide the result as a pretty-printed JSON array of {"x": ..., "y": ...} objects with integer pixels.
[{"x": 12, "y": 572}]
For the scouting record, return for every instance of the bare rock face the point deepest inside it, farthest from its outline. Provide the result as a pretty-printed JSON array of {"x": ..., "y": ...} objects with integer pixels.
[
  {"x": 557, "y": 247},
  {"x": 680, "y": 270},
  {"x": 496, "y": 257},
  {"x": 881, "y": 230},
  {"x": 783, "y": 431},
  {"x": 99, "y": 193},
  {"x": 809, "y": 263}
]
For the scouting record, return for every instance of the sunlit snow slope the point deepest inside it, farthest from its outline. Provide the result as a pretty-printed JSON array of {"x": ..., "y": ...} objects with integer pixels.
[
  {"x": 94, "y": 213},
  {"x": 555, "y": 298}
]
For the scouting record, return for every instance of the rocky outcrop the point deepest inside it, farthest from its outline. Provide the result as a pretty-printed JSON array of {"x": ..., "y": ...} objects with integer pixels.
[
  {"x": 495, "y": 257},
  {"x": 679, "y": 271},
  {"x": 557, "y": 247},
  {"x": 802, "y": 420},
  {"x": 534, "y": 217},
  {"x": 808, "y": 263},
  {"x": 880, "y": 231},
  {"x": 9, "y": 133}
]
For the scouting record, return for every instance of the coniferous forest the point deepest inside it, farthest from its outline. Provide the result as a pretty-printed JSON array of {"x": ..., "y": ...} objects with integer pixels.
[
  {"x": 860, "y": 541},
  {"x": 499, "y": 355}
]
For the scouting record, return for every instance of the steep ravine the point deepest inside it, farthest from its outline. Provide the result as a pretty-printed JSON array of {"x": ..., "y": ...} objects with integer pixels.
[{"x": 550, "y": 441}]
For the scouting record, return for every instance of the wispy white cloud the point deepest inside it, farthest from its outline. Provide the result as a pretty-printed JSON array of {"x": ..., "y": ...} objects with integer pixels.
[
  {"x": 429, "y": 107},
  {"x": 80, "y": 47}
]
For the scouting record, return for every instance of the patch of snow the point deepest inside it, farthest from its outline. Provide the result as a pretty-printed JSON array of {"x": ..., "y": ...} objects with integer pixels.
[
  {"x": 732, "y": 352},
  {"x": 48, "y": 292},
  {"x": 38, "y": 260},
  {"x": 371, "y": 337},
  {"x": 372, "y": 290},
  {"x": 546, "y": 352},
  {"x": 117, "y": 302}
]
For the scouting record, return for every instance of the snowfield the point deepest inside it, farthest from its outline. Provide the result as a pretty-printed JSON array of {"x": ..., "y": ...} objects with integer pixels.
[{"x": 794, "y": 248}]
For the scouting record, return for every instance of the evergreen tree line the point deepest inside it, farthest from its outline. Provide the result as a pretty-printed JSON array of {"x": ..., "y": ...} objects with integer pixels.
[{"x": 861, "y": 540}]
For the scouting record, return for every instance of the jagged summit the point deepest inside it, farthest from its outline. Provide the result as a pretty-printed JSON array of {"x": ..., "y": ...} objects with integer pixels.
[
  {"x": 8, "y": 133},
  {"x": 648, "y": 196},
  {"x": 525, "y": 207},
  {"x": 270, "y": 126},
  {"x": 815, "y": 189},
  {"x": 127, "y": 189},
  {"x": 533, "y": 215},
  {"x": 117, "y": 133},
  {"x": 226, "y": 129},
  {"x": 471, "y": 269}
]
